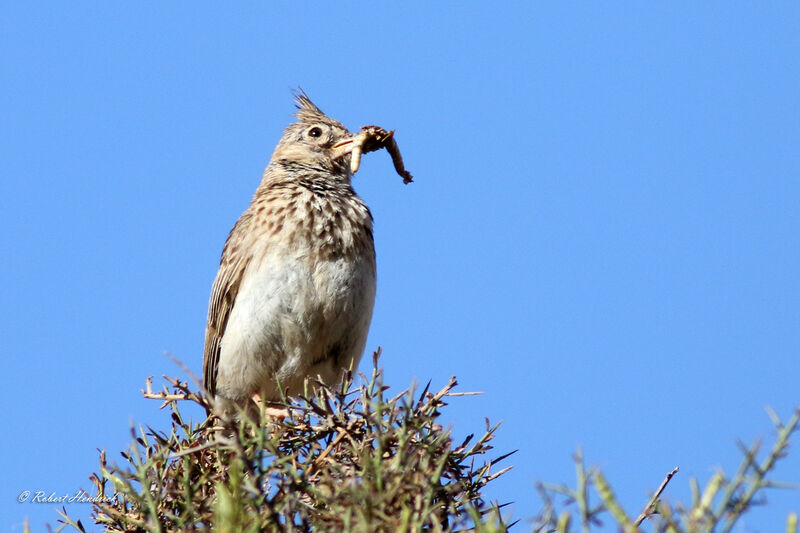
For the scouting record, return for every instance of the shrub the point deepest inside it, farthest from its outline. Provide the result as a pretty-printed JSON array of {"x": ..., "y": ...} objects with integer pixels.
[{"x": 348, "y": 459}]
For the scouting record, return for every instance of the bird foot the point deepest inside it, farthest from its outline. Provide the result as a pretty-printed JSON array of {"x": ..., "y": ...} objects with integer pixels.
[{"x": 277, "y": 413}]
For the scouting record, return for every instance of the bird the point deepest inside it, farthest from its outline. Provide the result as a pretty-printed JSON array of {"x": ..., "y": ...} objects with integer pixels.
[{"x": 294, "y": 294}]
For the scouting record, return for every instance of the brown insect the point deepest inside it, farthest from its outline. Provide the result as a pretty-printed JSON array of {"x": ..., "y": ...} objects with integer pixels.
[{"x": 372, "y": 138}]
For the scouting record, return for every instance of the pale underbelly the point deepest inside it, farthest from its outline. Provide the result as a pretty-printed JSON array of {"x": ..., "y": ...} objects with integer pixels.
[{"x": 293, "y": 320}]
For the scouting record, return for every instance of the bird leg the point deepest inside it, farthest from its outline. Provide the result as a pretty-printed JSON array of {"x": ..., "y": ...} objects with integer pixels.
[{"x": 270, "y": 412}]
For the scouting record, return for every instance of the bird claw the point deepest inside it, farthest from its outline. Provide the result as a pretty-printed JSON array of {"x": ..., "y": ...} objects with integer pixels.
[{"x": 276, "y": 413}]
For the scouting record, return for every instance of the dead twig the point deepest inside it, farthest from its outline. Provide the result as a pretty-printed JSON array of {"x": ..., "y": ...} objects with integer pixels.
[{"x": 651, "y": 505}]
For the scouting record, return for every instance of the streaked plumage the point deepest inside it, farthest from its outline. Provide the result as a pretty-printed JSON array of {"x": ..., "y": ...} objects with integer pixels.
[{"x": 295, "y": 289}]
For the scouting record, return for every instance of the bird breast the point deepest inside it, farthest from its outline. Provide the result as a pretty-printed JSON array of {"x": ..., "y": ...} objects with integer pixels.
[{"x": 306, "y": 298}]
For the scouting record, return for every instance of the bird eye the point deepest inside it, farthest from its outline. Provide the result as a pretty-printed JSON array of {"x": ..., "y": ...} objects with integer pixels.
[{"x": 315, "y": 132}]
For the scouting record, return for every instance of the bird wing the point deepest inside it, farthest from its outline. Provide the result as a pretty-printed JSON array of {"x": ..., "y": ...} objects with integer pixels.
[{"x": 233, "y": 264}]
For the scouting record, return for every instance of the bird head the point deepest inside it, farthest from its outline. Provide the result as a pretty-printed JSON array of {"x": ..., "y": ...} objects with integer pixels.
[{"x": 315, "y": 141}]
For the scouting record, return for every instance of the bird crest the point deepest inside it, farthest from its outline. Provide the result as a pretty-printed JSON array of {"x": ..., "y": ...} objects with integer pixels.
[{"x": 307, "y": 111}]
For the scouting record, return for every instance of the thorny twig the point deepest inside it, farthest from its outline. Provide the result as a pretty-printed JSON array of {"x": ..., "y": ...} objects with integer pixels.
[
  {"x": 651, "y": 505},
  {"x": 181, "y": 392}
]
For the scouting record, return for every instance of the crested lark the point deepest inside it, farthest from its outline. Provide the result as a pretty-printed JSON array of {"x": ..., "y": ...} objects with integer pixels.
[{"x": 296, "y": 284}]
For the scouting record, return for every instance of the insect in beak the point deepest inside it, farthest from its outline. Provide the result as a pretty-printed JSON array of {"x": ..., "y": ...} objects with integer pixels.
[{"x": 370, "y": 139}]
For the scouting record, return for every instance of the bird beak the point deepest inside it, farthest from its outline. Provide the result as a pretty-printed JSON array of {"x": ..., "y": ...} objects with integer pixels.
[
  {"x": 342, "y": 148},
  {"x": 353, "y": 146},
  {"x": 369, "y": 139}
]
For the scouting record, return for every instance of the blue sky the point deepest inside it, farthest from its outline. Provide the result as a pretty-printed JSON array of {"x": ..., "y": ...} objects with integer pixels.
[{"x": 603, "y": 233}]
